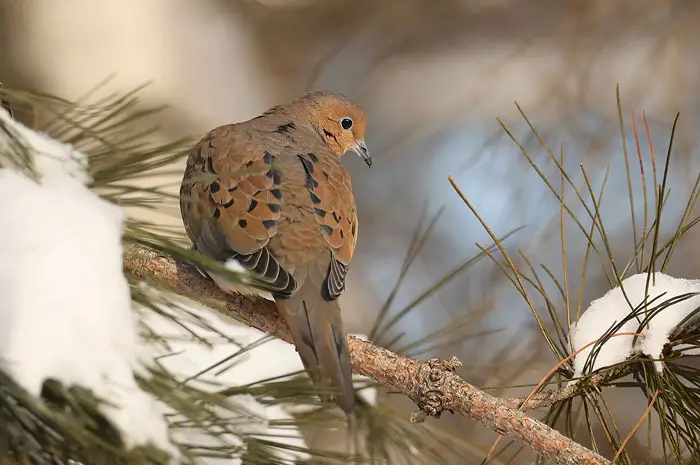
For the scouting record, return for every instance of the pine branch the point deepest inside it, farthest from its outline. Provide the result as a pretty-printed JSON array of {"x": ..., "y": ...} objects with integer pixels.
[
  {"x": 549, "y": 397},
  {"x": 433, "y": 385}
]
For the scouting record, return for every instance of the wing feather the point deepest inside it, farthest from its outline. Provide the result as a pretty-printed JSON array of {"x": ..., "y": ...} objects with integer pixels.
[
  {"x": 329, "y": 186},
  {"x": 231, "y": 203}
]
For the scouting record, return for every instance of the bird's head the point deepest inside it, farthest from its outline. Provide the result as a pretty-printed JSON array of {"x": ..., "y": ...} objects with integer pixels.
[{"x": 339, "y": 122}]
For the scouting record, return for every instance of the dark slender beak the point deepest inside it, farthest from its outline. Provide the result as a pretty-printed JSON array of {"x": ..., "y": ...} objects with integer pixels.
[{"x": 361, "y": 150}]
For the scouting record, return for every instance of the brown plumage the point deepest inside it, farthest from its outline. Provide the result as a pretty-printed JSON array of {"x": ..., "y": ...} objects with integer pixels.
[{"x": 272, "y": 193}]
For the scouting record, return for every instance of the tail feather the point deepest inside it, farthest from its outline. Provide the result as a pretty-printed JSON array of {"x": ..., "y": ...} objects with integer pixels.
[{"x": 317, "y": 331}]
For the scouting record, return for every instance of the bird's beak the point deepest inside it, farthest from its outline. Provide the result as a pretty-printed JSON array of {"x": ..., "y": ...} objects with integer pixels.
[{"x": 361, "y": 149}]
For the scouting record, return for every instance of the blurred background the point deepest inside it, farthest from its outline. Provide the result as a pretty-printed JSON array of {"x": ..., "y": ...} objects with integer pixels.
[{"x": 432, "y": 77}]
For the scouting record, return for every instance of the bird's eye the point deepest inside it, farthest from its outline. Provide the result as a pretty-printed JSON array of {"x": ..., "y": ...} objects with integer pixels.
[{"x": 346, "y": 123}]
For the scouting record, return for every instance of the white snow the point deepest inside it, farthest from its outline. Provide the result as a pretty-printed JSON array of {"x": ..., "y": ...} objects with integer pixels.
[
  {"x": 65, "y": 311},
  {"x": 606, "y": 311},
  {"x": 186, "y": 356}
]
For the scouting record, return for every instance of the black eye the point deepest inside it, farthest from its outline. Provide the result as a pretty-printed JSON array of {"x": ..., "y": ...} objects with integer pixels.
[{"x": 346, "y": 123}]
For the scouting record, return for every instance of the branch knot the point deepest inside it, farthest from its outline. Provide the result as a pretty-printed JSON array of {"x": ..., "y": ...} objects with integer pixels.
[{"x": 430, "y": 395}]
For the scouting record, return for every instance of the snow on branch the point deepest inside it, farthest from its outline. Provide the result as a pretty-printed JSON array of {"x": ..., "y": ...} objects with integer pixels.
[
  {"x": 647, "y": 307},
  {"x": 65, "y": 311}
]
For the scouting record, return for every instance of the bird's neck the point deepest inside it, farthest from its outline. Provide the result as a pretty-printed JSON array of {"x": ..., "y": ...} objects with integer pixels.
[{"x": 305, "y": 118}]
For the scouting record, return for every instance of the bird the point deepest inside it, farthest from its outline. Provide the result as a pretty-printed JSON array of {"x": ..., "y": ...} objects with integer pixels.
[{"x": 272, "y": 194}]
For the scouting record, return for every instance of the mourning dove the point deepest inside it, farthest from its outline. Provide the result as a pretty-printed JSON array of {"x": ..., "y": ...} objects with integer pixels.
[{"x": 273, "y": 194}]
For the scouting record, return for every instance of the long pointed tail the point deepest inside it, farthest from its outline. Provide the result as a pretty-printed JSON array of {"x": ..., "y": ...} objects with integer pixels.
[{"x": 317, "y": 330}]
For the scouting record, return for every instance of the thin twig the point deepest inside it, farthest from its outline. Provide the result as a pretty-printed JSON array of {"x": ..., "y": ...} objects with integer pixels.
[{"x": 547, "y": 398}]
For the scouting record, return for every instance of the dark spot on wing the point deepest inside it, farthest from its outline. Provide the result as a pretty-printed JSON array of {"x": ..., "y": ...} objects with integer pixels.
[
  {"x": 311, "y": 183},
  {"x": 285, "y": 128},
  {"x": 308, "y": 166},
  {"x": 253, "y": 204},
  {"x": 242, "y": 223}
]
